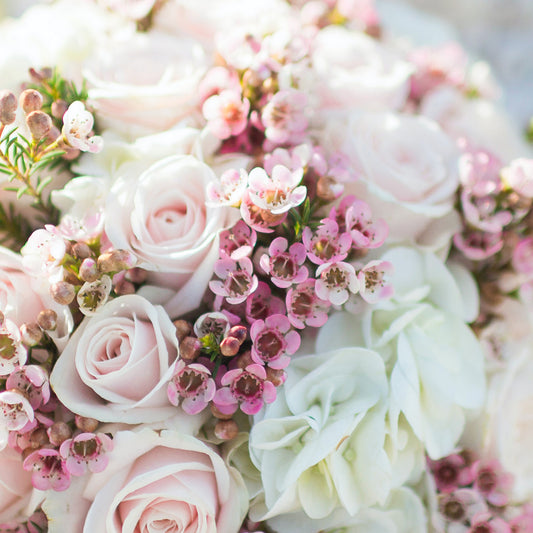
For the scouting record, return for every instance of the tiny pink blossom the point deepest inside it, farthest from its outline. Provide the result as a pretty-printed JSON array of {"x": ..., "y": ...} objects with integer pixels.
[
  {"x": 272, "y": 340},
  {"x": 478, "y": 245},
  {"x": 486, "y": 523},
  {"x": 215, "y": 323},
  {"x": 12, "y": 351},
  {"x": 228, "y": 190},
  {"x": 248, "y": 387},
  {"x": 217, "y": 80},
  {"x": 335, "y": 282},
  {"x": 259, "y": 219},
  {"x": 285, "y": 266},
  {"x": 238, "y": 279},
  {"x": 524, "y": 522},
  {"x": 491, "y": 481},
  {"x": 33, "y": 382},
  {"x": 326, "y": 245},
  {"x": 238, "y": 241},
  {"x": 43, "y": 253},
  {"x": 261, "y": 304},
  {"x": 292, "y": 158},
  {"x": 15, "y": 410},
  {"x": 523, "y": 256},
  {"x": 519, "y": 176},
  {"x": 304, "y": 307},
  {"x": 48, "y": 470},
  {"x": 483, "y": 212},
  {"x": 284, "y": 117},
  {"x": 226, "y": 113},
  {"x": 451, "y": 473},
  {"x": 278, "y": 193},
  {"x": 461, "y": 505},
  {"x": 77, "y": 128},
  {"x": 364, "y": 232},
  {"x": 374, "y": 281},
  {"x": 193, "y": 386},
  {"x": 479, "y": 172},
  {"x": 86, "y": 452}
]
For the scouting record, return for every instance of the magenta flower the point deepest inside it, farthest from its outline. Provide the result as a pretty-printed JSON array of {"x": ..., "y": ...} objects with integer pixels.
[
  {"x": 262, "y": 304},
  {"x": 193, "y": 385},
  {"x": 335, "y": 282},
  {"x": 272, "y": 340},
  {"x": 364, "y": 232},
  {"x": 226, "y": 113},
  {"x": 86, "y": 452},
  {"x": 486, "y": 523},
  {"x": 304, "y": 307},
  {"x": 478, "y": 245},
  {"x": 49, "y": 470},
  {"x": 15, "y": 410},
  {"x": 238, "y": 241},
  {"x": 33, "y": 382},
  {"x": 451, "y": 472},
  {"x": 247, "y": 387},
  {"x": 228, "y": 190},
  {"x": 284, "y": 117},
  {"x": 278, "y": 193},
  {"x": 285, "y": 266},
  {"x": 238, "y": 279},
  {"x": 374, "y": 281},
  {"x": 326, "y": 245},
  {"x": 491, "y": 481}
]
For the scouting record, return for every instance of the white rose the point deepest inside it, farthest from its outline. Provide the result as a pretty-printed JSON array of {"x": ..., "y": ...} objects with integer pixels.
[
  {"x": 319, "y": 446},
  {"x": 161, "y": 216},
  {"x": 117, "y": 364},
  {"x": 408, "y": 173},
  {"x": 355, "y": 71},
  {"x": 144, "y": 83}
]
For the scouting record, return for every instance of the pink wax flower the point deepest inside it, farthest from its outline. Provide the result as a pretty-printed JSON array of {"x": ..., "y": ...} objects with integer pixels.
[
  {"x": 48, "y": 469},
  {"x": 364, "y": 232},
  {"x": 86, "y": 452},
  {"x": 523, "y": 256},
  {"x": 226, "y": 113},
  {"x": 519, "y": 176},
  {"x": 215, "y": 323},
  {"x": 238, "y": 279},
  {"x": 278, "y": 193},
  {"x": 451, "y": 472},
  {"x": 12, "y": 351},
  {"x": 217, "y": 80},
  {"x": 304, "y": 307},
  {"x": 483, "y": 212},
  {"x": 15, "y": 410},
  {"x": 192, "y": 385},
  {"x": 479, "y": 172},
  {"x": 228, "y": 190},
  {"x": 374, "y": 284},
  {"x": 491, "y": 481},
  {"x": 262, "y": 304},
  {"x": 77, "y": 129},
  {"x": 272, "y": 340},
  {"x": 33, "y": 382},
  {"x": 247, "y": 387},
  {"x": 285, "y": 266},
  {"x": 486, "y": 523},
  {"x": 478, "y": 245},
  {"x": 461, "y": 505},
  {"x": 335, "y": 282},
  {"x": 326, "y": 244},
  {"x": 238, "y": 241},
  {"x": 284, "y": 117},
  {"x": 259, "y": 219},
  {"x": 43, "y": 253},
  {"x": 292, "y": 158},
  {"x": 523, "y": 523}
]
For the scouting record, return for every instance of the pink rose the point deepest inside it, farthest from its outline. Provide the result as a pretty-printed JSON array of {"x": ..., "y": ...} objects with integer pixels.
[
  {"x": 164, "y": 482},
  {"x": 117, "y": 364},
  {"x": 161, "y": 216}
]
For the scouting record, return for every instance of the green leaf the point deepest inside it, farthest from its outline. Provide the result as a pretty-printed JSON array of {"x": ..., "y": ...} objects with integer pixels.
[
  {"x": 22, "y": 191},
  {"x": 43, "y": 183}
]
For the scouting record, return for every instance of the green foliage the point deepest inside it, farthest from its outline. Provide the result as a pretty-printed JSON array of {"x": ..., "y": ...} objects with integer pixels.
[{"x": 14, "y": 228}]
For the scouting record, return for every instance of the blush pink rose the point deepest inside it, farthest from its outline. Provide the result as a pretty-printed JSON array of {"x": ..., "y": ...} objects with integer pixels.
[
  {"x": 117, "y": 364},
  {"x": 160, "y": 215},
  {"x": 155, "y": 481}
]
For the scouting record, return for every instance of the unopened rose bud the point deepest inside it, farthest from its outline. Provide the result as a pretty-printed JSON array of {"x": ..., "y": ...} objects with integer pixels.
[
  {"x": 183, "y": 329},
  {"x": 238, "y": 332},
  {"x": 230, "y": 346},
  {"x": 58, "y": 433},
  {"x": 30, "y": 100},
  {"x": 328, "y": 189},
  {"x": 39, "y": 124},
  {"x": 38, "y": 438},
  {"x": 226, "y": 429},
  {"x": 136, "y": 275},
  {"x": 190, "y": 348},
  {"x": 81, "y": 250},
  {"x": 245, "y": 359},
  {"x": 88, "y": 270},
  {"x": 87, "y": 425},
  {"x": 47, "y": 319},
  {"x": 59, "y": 108},
  {"x": 116, "y": 260},
  {"x": 218, "y": 414},
  {"x": 31, "y": 334},
  {"x": 276, "y": 377},
  {"x": 8, "y": 107},
  {"x": 124, "y": 287},
  {"x": 63, "y": 292}
]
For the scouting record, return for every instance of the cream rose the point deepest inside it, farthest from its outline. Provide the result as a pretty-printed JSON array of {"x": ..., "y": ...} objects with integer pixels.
[
  {"x": 117, "y": 364},
  {"x": 408, "y": 173},
  {"x": 161, "y": 216},
  {"x": 154, "y": 481}
]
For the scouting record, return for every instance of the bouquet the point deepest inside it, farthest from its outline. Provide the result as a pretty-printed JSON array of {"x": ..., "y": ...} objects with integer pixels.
[{"x": 267, "y": 266}]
